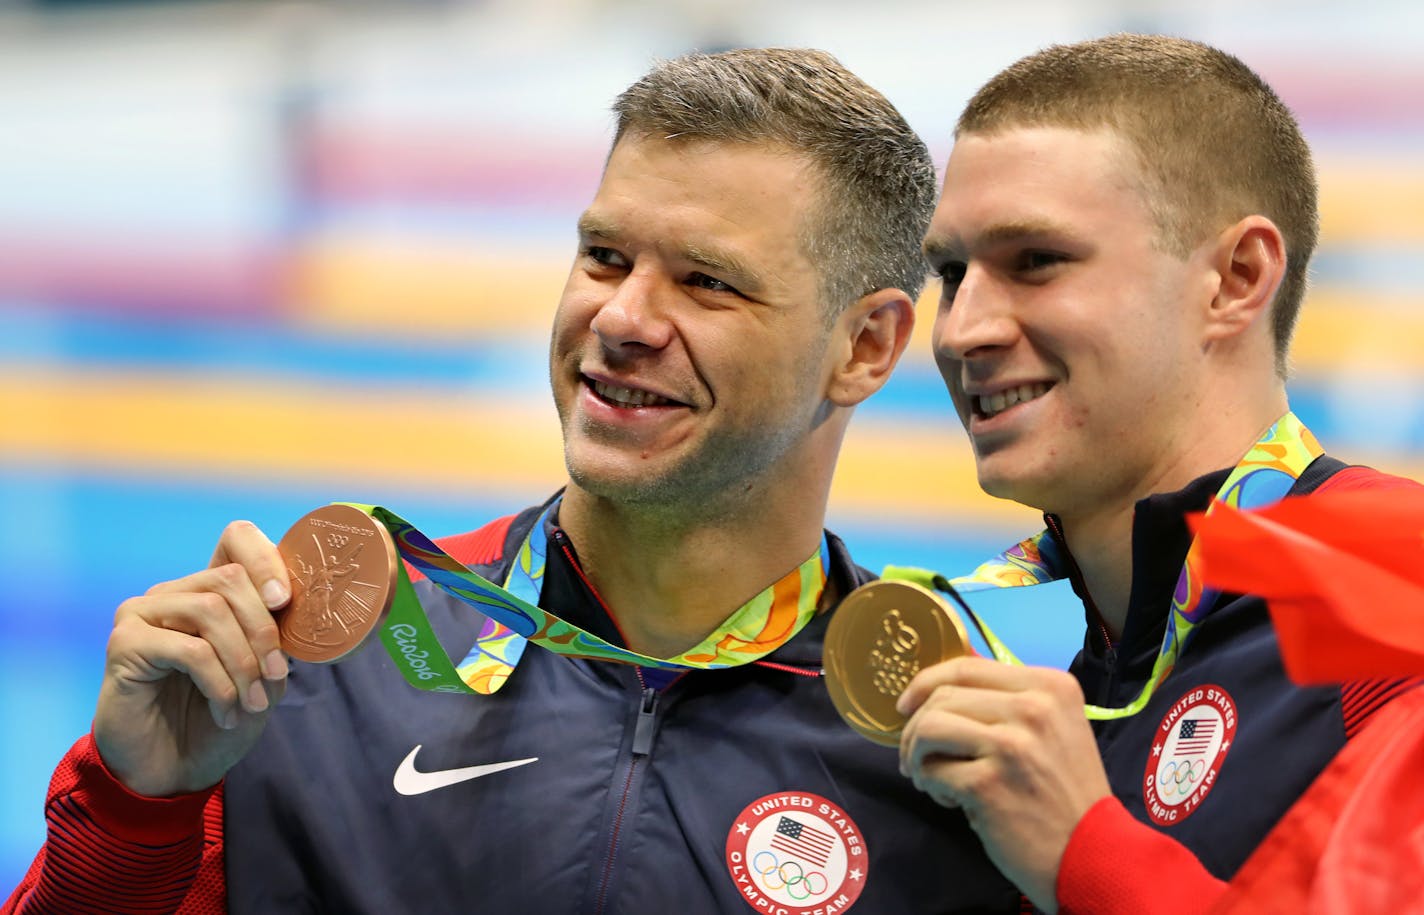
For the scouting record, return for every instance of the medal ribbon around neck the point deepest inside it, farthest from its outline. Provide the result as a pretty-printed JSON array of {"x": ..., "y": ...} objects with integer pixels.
[
  {"x": 1263, "y": 477},
  {"x": 513, "y": 617}
]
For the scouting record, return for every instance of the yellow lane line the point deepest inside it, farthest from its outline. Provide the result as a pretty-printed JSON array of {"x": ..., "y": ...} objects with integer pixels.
[
  {"x": 353, "y": 437},
  {"x": 1370, "y": 199},
  {"x": 233, "y": 427}
]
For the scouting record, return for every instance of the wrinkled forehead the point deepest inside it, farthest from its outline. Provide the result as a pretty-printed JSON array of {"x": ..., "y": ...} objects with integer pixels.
[{"x": 787, "y": 183}]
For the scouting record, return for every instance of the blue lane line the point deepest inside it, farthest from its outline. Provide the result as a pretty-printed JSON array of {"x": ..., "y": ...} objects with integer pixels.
[
  {"x": 1389, "y": 267},
  {"x": 34, "y": 336}
]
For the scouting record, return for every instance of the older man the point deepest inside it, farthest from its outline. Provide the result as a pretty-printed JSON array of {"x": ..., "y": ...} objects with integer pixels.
[{"x": 744, "y": 278}]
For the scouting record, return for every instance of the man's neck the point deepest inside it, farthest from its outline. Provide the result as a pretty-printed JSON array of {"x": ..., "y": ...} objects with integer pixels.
[
  {"x": 1101, "y": 545},
  {"x": 669, "y": 581},
  {"x": 1100, "y": 538}
]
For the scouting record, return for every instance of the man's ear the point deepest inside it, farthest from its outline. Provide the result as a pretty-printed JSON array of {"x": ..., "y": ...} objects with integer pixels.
[
  {"x": 1249, "y": 260},
  {"x": 870, "y": 336}
]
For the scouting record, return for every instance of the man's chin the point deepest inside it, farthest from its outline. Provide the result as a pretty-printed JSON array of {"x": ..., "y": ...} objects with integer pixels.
[
  {"x": 632, "y": 485},
  {"x": 1012, "y": 487}
]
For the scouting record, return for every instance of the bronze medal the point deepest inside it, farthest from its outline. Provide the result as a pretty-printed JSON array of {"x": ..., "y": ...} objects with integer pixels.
[
  {"x": 343, "y": 569},
  {"x": 880, "y": 636}
]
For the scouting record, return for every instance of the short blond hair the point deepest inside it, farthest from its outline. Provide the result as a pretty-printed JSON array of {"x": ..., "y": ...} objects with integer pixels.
[
  {"x": 879, "y": 180},
  {"x": 1213, "y": 140}
]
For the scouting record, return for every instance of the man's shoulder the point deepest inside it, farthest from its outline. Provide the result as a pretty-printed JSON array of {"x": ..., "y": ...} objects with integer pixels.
[
  {"x": 485, "y": 545},
  {"x": 489, "y": 546},
  {"x": 1357, "y": 477}
]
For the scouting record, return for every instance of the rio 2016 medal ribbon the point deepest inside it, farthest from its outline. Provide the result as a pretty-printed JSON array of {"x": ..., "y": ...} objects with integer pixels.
[
  {"x": 343, "y": 568},
  {"x": 881, "y": 635},
  {"x": 348, "y": 565},
  {"x": 1261, "y": 478}
]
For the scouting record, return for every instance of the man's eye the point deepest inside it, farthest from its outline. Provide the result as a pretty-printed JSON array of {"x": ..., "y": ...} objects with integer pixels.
[
  {"x": 1039, "y": 260},
  {"x": 605, "y": 256},
  {"x": 703, "y": 281},
  {"x": 951, "y": 272}
]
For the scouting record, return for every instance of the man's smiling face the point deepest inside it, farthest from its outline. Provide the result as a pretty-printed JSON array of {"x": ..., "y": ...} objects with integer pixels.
[
  {"x": 689, "y": 350},
  {"x": 1064, "y": 332}
]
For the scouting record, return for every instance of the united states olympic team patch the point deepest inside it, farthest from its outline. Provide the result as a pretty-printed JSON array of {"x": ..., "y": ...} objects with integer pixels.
[
  {"x": 794, "y": 853},
  {"x": 1188, "y": 748}
]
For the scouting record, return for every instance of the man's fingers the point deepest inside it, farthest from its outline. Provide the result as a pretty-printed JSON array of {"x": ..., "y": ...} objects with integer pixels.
[
  {"x": 966, "y": 670},
  {"x": 208, "y": 616},
  {"x": 243, "y": 543},
  {"x": 938, "y": 730},
  {"x": 953, "y": 783},
  {"x": 974, "y": 671},
  {"x": 141, "y": 652},
  {"x": 239, "y": 599}
]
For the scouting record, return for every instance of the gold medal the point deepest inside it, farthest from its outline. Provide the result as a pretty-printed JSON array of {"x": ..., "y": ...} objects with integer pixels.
[
  {"x": 880, "y": 636},
  {"x": 342, "y": 564}
]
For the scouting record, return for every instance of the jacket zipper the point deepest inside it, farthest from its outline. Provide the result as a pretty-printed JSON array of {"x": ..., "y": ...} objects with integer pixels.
[
  {"x": 643, "y": 728},
  {"x": 642, "y": 748}
]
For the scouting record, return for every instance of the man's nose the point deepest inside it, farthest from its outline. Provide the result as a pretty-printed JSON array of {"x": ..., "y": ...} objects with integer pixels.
[
  {"x": 978, "y": 320},
  {"x": 636, "y": 314}
]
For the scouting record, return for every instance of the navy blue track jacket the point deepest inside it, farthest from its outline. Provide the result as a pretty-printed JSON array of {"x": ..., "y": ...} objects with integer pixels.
[{"x": 728, "y": 791}]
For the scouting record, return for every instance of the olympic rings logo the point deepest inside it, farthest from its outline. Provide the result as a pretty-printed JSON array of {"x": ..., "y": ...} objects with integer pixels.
[
  {"x": 893, "y": 657},
  {"x": 793, "y": 882},
  {"x": 1178, "y": 777}
]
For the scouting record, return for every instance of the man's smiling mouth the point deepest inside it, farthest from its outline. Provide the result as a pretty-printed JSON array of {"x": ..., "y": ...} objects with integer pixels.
[
  {"x": 987, "y": 406},
  {"x": 628, "y": 397}
]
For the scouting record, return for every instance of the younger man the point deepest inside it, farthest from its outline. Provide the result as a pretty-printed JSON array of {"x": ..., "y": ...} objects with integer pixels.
[{"x": 1123, "y": 235}]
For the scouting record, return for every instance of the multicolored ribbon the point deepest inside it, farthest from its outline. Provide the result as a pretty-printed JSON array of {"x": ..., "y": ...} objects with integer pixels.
[
  {"x": 513, "y": 617},
  {"x": 1263, "y": 477}
]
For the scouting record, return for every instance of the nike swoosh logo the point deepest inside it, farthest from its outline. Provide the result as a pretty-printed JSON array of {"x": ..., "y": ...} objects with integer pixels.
[{"x": 410, "y": 781}]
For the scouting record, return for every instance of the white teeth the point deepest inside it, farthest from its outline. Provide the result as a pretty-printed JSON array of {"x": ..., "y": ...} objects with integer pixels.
[
  {"x": 992, "y": 404},
  {"x": 628, "y": 397}
]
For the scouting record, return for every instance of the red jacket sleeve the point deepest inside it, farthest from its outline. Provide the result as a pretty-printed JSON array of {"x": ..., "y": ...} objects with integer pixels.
[
  {"x": 1352, "y": 844},
  {"x": 109, "y": 850},
  {"x": 1108, "y": 848}
]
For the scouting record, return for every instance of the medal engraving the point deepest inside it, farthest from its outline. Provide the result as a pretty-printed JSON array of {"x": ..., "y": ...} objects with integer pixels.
[
  {"x": 881, "y": 635},
  {"x": 342, "y": 567},
  {"x": 893, "y": 659}
]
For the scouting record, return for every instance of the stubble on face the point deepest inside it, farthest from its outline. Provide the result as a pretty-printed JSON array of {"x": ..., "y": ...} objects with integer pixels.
[{"x": 752, "y": 401}]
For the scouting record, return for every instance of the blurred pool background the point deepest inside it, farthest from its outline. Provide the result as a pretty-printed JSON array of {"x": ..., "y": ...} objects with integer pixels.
[{"x": 259, "y": 256}]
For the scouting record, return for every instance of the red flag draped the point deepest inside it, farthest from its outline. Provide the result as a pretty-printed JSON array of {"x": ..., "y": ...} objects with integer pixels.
[{"x": 1342, "y": 574}]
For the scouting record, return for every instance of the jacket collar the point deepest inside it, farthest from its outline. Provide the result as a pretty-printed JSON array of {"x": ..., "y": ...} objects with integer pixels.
[
  {"x": 566, "y": 592},
  {"x": 1160, "y": 540}
]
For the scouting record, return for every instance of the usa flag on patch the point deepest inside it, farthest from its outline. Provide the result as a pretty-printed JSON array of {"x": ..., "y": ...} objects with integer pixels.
[
  {"x": 801, "y": 841},
  {"x": 1195, "y": 736}
]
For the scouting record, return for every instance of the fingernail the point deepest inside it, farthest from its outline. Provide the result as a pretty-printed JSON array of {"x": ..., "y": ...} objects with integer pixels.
[
  {"x": 230, "y": 719},
  {"x": 274, "y": 667},
  {"x": 256, "y": 697},
  {"x": 274, "y": 594}
]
